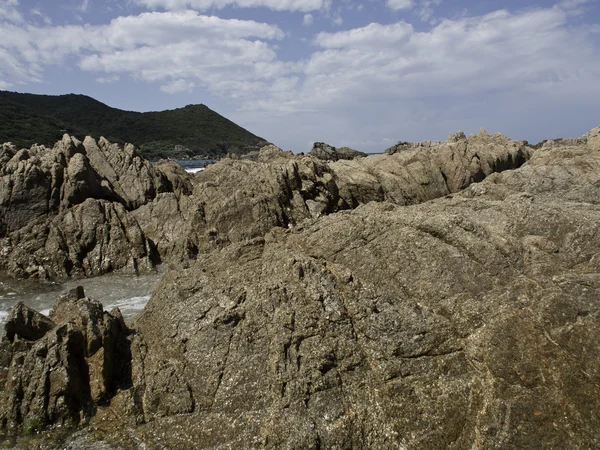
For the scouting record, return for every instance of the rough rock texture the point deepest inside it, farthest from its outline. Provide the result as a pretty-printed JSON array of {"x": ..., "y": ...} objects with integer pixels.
[
  {"x": 427, "y": 172},
  {"x": 83, "y": 209},
  {"x": 470, "y": 321},
  {"x": 593, "y": 139},
  {"x": 404, "y": 146},
  {"x": 64, "y": 211},
  {"x": 451, "y": 313},
  {"x": 235, "y": 200},
  {"x": 326, "y": 152},
  {"x": 57, "y": 370}
]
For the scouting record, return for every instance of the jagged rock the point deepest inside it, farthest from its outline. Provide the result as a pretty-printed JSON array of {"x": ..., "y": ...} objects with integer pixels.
[
  {"x": 56, "y": 371},
  {"x": 236, "y": 200},
  {"x": 26, "y": 323},
  {"x": 131, "y": 177},
  {"x": 47, "y": 195},
  {"x": 180, "y": 180},
  {"x": 328, "y": 153},
  {"x": 403, "y": 146},
  {"x": 467, "y": 321},
  {"x": 426, "y": 172},
  {"x": 593, "y": 139},
  {"x": 91, "y": 238}
]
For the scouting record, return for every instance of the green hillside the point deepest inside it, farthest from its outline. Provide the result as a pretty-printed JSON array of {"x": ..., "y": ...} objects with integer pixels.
[{"x": 26, "y": 119}]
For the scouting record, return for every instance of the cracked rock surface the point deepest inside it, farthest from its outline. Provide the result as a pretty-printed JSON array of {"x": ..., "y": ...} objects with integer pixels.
[
  {"x": 64, "y": 211},
  {"x": 440, "y": 297},
  {"x": 469, "y": 321}
]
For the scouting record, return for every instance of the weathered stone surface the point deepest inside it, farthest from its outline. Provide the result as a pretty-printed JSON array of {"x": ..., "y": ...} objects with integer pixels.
[
  {"x": 64, "y": 211},
  {"x": 130, "y": 176},
  {"x": 26, "y": 323},
  {"x": 465, "y": 322},
  {"x": 326, "y": 152},
  {"x": 91, "y": 238},
  {"x": 235, "y": 200},
  {"x": 460, "y": 310},
  {"x": 57, "y": 371},
  {"x": 593, "y": 139},
  {"x": 427, "y": 172}
]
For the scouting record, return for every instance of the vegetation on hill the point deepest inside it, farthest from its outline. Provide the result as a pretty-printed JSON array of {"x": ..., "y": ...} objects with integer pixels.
[{"x": 191, "y": 132}]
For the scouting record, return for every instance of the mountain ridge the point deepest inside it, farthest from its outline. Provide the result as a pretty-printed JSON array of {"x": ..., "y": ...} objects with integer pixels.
[{"x": 191, "y": 132}]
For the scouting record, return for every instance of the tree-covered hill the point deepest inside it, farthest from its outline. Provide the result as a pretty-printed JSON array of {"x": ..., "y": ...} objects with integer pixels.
[{"x": 193, "y": 131}]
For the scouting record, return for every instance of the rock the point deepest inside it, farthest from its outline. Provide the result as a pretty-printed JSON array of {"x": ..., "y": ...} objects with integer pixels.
[
  {"x": 593, "y": 139},
  {"x": 328, "y": 153},
  {"x": 58, "y": 370},
  {"x": 236, "y": 200},
  {"x": 131, "y": 177},
  {"x": 25, "y": 323},
  {"x": 427, "y": 171},
  {"x": 47, "y": 195},
  {"x": 467, "y": 320},
  {"x": 91, "y": 238}
]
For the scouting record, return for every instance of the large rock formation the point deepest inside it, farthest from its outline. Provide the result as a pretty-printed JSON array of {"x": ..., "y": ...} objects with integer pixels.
[
  {"x": 326, "y": 152},
  {"x": 57, "y": 369},
  {"x": 64, "y": 211},
  {"x": 88, "y": 208},
  {"x": 470, "y": 321},
  {"x": 235, "y": 200},
  {"x": 440, "y": 297}
]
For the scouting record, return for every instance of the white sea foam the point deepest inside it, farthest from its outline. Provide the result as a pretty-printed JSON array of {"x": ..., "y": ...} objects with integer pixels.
[
  {"x": 195, "y": 170},
  {"x": 3, "y": 316},
  {"x": 129, "y": 305}
]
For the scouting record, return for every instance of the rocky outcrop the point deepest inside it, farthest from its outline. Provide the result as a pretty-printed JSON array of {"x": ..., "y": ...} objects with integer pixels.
[
  {"x": 461, "y": 310},
  {"x": 236, "y": 200},
  {"x": 326, "y": 152},
  {"x": 402, "y": 146},
  {"x": 65, "y": 211},
  {"x": 427, "y": 172},
  {"x": 57, "y": 370},
  {"x": 134, "y": 214},
  {"x": 469, "y": 321}
]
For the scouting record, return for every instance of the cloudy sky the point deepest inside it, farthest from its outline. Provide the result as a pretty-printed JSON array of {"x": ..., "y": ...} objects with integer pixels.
[{"x": 359, "y": 73}]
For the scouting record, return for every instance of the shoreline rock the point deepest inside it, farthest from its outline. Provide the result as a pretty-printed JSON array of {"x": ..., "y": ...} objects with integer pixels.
[{"x": 439, "y": 297}]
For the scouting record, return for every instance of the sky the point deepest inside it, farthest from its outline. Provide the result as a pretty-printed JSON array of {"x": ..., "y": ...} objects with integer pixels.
[{"x": 364, "y": 74}]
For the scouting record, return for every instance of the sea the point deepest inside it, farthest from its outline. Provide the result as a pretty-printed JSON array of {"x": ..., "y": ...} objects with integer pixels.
[
  {"x": 129, "y": 293},
  {"x": 195, "y": 165}
]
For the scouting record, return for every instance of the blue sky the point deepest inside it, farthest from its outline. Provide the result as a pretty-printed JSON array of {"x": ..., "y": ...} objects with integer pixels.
[{"x": 364, "y": 74}]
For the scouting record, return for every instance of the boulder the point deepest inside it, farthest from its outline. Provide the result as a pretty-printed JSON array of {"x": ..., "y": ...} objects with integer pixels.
[
  {"x": 57, "y": 370},
  {"x": 326, "y": 152}
]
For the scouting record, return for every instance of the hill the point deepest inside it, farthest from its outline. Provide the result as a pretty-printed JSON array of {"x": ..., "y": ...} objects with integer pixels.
[{"x": 194, "y": 131}]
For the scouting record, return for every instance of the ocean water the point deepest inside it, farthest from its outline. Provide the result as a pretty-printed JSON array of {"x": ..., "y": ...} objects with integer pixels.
[
  {"x": 194, "y": 166},
  {"x": 129, "y": 293}
]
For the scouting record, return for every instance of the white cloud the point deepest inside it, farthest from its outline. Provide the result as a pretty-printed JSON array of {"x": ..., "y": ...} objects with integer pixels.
[
  {"x": 177, "y": 86},
  {"x": 364, "y": 83},
  {"x": 371, "y": 36},
  {"x": 107, "y": 80},
  {"x": 180, "y": 50},
  {"x": 426, "y": 8},
  {"x": 338, "y": 21},
  {"x": 9, "y": 11},
  {"x": 84, "y": 6},
  {"x": 308, "y": 20},
  {"x": 203, "y": 5},
  {"x": 400, "y": 4}
]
